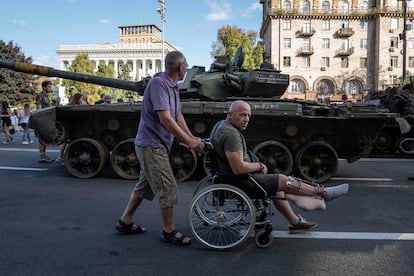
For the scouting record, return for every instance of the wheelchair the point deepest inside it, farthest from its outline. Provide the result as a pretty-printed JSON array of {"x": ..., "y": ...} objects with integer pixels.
[{"x": 222, "y": 216}]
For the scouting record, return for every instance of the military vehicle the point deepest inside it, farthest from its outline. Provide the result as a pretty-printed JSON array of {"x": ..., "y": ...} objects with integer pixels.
[
  {"x": 396, "y": 139},
  {"x": 304, "y": 138}
]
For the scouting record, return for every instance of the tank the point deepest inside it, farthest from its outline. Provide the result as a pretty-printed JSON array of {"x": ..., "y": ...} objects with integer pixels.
[
  {"x": 396, "y": 139},
  {"x": 291, "y": 137}
]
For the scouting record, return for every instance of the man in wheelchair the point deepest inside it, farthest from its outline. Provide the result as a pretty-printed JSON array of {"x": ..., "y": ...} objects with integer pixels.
[{"x": 232, "y": 157}]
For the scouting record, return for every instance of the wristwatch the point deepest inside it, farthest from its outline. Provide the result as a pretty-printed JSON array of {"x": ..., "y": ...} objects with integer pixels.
[{"x": 262, "y": 167}]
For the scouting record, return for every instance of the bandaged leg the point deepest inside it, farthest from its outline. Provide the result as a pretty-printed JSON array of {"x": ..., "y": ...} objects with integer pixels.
[
  {"x": 307, "y": 203},
  {"x": 295, "y": 186}
]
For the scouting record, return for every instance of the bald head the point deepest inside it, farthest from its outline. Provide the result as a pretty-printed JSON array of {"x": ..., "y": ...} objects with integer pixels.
[
  {"x": 239, "y": 114},
  {"x": 238, "y": 105}
]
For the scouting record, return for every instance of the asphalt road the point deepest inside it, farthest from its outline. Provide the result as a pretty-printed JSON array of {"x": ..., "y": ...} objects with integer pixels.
[{"x": 55, "y": 224}]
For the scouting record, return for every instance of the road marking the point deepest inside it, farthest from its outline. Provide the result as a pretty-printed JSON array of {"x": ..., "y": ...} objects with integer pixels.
[
  {"x": 23, "y": 169},
  {"x": 363, "y": 179},
  {"x": 345, "y": 235},
  {"x": 27, "y": 150}
]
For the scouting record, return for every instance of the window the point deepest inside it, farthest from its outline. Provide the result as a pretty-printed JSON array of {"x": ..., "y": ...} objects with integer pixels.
[
  {"x": 363, "y": 62},
  {"x": 364, "y": 6},
  {"x": 326, "y": 7},
  {"x": 394, "y": 79},
  {"x": 325, "y": 43},
  {"x": 306, "y": 61},
  {"x": 306, "y": 7},
  {"x": 286, "y": 61},
  {"x": 306, "y": 44},
  {"x": 344, "y": 62},
  {"x": 325, "y": 25},
  {"x": 393, "y": 4},
  {"x": 325, "y": 61},
  {"x": 394, "y": 61},
  {"x": 306, "y": 25},
  {"x": 410, "y": 42},
  {"x": 364, "y": 25},
  {"x": 287, "y": 6},
  {"x": 394, "y": 42},
  {"x": 394, "y": 23},
  {"x": 364, "y": 43},
  {"x": 286, "y": 24},
  {"x": 344, "y": 44},
  {"x": 297, "y": 86},
  {"x": 345, "y": 24},
  {"x": 410, "y": 61},
  {"x": 344, "y": 7},
  {"x": 287, "y": 43}
]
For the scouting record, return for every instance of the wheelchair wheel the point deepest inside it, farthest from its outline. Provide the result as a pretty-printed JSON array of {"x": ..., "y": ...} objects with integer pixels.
[
  {"x": 206, "y": 181},
  {"x": 263, "y": 239},
  {"x": 221, "y": 216}
]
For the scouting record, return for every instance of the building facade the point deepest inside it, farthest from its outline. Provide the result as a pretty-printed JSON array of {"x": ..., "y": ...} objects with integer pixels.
[
  {"x": 139, "y": 47},
  {"x": 335, "y": 47}
]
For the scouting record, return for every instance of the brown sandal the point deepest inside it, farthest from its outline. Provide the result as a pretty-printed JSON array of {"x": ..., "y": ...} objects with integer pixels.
[
  {"x": 172, "y": 238},
  {"x": 127, "y": 228}
]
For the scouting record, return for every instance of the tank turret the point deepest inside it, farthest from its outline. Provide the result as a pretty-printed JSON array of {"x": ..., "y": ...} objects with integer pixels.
[{"x": 231, "y": 80}]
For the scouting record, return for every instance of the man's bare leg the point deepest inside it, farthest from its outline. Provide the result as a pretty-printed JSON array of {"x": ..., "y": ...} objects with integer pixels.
[{"x": 168, "y": 225}]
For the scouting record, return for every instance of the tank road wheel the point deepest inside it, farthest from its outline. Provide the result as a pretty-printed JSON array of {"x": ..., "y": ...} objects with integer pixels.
[
  {"x": 85, "y": 157},
  {"x": 276, "y": 156},
  {"x": 221, "y": 216},
  {"x": 124, "y": 160},
  {"x": 183, "y": 162},
  {"x": 61, "y": 133},
  {"x": 316, "y": 161}
]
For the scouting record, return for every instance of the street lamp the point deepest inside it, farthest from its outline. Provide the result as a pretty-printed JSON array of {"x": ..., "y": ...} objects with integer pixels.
[{"x": 161, "y": 11}]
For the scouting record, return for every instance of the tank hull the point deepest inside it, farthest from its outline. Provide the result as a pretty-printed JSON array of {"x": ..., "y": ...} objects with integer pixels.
[{"x": 292, "y": 126}]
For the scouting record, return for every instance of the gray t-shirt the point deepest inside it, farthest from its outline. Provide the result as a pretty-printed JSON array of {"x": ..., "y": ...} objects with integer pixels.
[
  {"x": 225, "y": 137},
  {"x": 160, "y": 94}
]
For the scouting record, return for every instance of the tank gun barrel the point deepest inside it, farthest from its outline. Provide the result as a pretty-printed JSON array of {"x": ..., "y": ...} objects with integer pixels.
[{"x": 51, "y": 72}]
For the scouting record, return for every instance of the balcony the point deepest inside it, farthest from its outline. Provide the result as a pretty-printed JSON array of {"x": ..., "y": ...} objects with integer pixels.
[
  {"x": 304, "y": 51},
  {"x": 344, "y": 52},
  {"x": 345, "y": 32},
  {"x": 305, "y": 32}
]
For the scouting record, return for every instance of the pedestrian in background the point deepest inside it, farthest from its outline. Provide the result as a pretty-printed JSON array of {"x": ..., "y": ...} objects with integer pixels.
[
  {"x": 6, "y": 115},
  {"x": 42, "y": 101},
  {"x": 24, "y": 116}
]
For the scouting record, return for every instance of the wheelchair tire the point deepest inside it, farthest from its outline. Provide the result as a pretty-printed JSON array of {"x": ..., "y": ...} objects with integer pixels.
[
  {"x": 263, "y": 239},
  {"x": 221, "y": 216},
  {"x": 206, "y": 181}
]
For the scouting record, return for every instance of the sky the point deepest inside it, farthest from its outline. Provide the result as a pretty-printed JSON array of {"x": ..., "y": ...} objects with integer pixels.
[{"x": 39, "y": 27}]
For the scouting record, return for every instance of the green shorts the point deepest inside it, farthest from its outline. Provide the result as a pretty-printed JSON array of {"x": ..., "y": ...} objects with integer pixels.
[{"x": 156, "y": 177}]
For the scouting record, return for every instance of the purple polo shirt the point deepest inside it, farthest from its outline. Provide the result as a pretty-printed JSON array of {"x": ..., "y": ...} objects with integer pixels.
[{"x": 161, "y": 93}]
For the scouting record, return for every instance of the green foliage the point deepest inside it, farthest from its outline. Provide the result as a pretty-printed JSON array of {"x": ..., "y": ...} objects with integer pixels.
[
  {"x": 81, "y": 64},
  {"x": 230, "y": 38},
  {"x": 17, "y": 88}
]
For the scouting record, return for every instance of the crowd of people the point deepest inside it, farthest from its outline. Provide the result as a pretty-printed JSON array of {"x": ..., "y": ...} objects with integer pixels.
[{"x": 17, "y": 121}]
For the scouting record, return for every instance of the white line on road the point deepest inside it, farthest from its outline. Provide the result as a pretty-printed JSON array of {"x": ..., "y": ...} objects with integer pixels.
[
  {"x": 362, "y": 179},
  {"x": 345, "y": 235},
  {"x": 26, "y": 150},
  {"x": 23, "y": 169}
]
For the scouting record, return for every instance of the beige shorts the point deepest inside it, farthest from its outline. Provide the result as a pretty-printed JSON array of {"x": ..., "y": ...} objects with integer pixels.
[{"x": 156, "y": 177}]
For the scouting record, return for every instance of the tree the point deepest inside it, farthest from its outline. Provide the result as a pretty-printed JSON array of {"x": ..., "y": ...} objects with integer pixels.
[
  {"x": 81, "y": 64},
  {"x": 15, "y": 87},
  {"x": 230, "y": 38}
]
